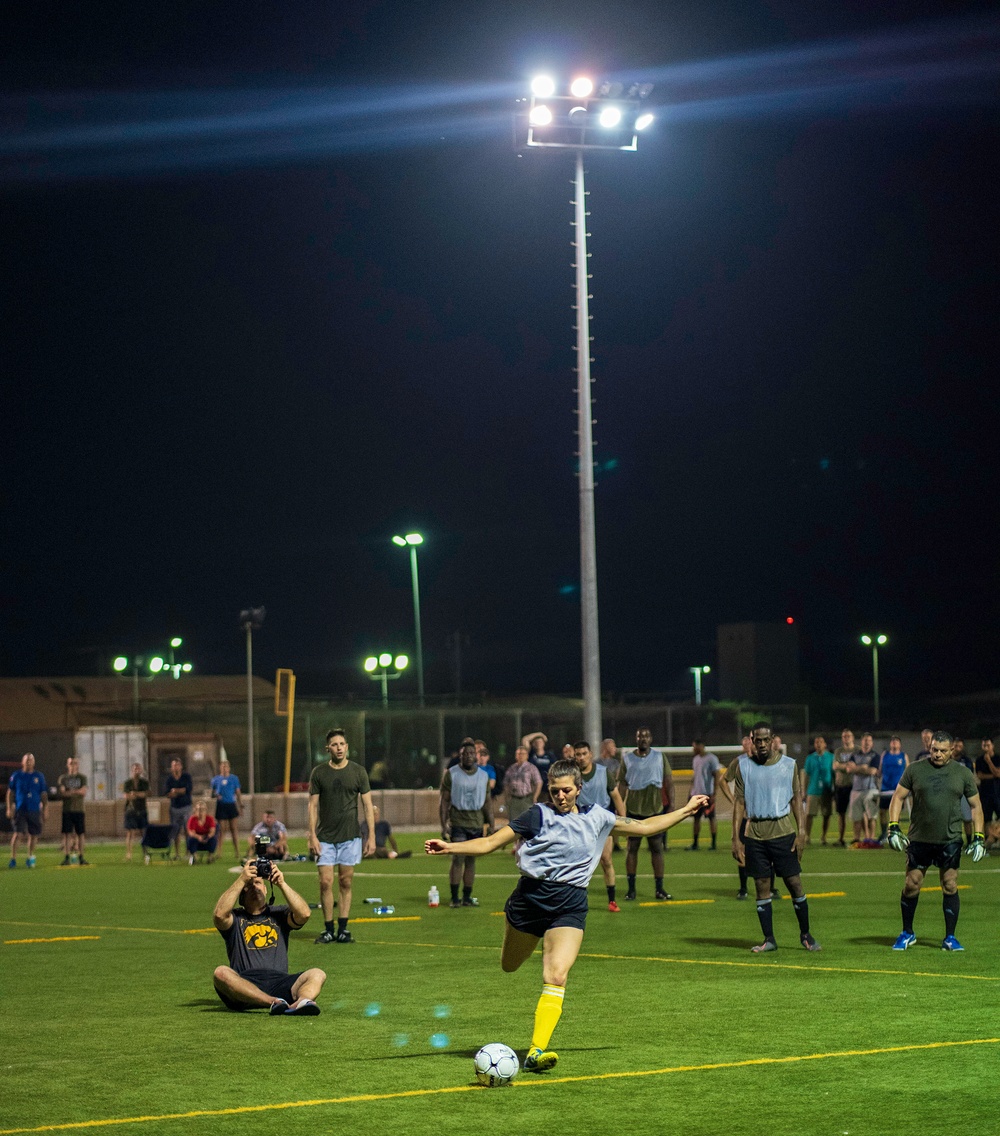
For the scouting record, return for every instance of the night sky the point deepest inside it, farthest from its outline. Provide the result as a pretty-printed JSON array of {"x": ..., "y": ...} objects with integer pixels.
[{"x": 278, "y": 284}]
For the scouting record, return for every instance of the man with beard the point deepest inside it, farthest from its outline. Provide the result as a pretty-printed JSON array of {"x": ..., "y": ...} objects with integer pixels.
[{"x": 767, "y": 793}]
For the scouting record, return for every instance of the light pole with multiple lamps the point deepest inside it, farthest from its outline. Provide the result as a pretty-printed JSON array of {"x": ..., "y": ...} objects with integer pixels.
[
  {"x": 251, "y": 620},
  {"x": 411, "y": 541},
  {"x": 698, "y": 672},
  {"x": 156, "y": 665},
  {"x": 609, "y": 118},
  {"x": 875, "y": 641},
  {"x": 377, "y": 667}
]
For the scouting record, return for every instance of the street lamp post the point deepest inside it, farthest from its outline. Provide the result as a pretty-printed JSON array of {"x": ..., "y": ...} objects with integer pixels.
[
  {"x": 875, "y": 642},
  {"x": 377, "y": 667},
  {"x": 609, "y": 119},
  {"x": 251, "y": 619},
  {"x": 698, "y": 672},
  {"x": 411, "y": 541}
]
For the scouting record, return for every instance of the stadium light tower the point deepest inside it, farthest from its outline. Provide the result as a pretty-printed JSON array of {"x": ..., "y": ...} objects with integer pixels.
[
  {"x": 698, "y": 672},
  {"x": 377, "y": 667},
  {"x": 875, "y": 641},
  {"x": 411, "y": 541},
  {"x": 610, "y": 117}
]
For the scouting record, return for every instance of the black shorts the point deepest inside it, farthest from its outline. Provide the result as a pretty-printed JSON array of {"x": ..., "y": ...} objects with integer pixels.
[
  {"x": 226, "y": 812},
  {"x": 135, "y": 822},
  {"x": 842, "y": 795},
  {"x": 772, "y": 857},
  {"x": 273, "y": 982},
  {"x": 655, "y": 843},
  {"x": 73, "y": 822},
  {"x": 30, "y": 823},
  {"x": 535, "y": 906},
  {"x": 921, "y": 856},
  {"x": 460, "y": 835}
]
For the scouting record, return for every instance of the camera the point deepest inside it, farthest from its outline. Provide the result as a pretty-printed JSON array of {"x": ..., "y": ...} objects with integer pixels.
[{"x": 263, "y": 863}]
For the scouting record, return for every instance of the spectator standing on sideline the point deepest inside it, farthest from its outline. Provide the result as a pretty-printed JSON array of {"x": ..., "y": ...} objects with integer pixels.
[
  {"x": 378, "y": 775},
  {"x": 201, "y": 833},
  {"x": 540, "y": 756},
  {"x": 136, "y": 790},
  {"x": 276, "y": 833},
  {"x": 767, "y": 792},
  {"x": 27, "y": 804},
  {"x": 72, "y": 787},
  {"x": 644, "y": 782},
  {"x": 256, "y": 937},
  {"x": 334, "y": 833},
  {"x": 925, "y": 741},
  {"x": 864, "y": 770},
  {"x": 843, "y": 781},
  {"x": 178, "y": 787},
  {"x": 964, "y": 759},
  {"x": 937, "y": 785},
  {"x": 611, "y": 759},
  {"x": 466, "y": 810},
  {"x": 988, "y": 776},
  {"x": 818, "y": 786},
  {"x": 228, "y": 804},
  {"x": 522, "y": 785},
  {"x": 706, "y": 772},
  {"x": 893, "y": 762},
  {"x": 598, "y": 786},
  {"x": 483, "y": 759}
]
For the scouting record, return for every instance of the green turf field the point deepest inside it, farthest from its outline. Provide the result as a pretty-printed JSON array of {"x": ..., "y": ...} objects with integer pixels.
[{"x": 670, "y": 1025}]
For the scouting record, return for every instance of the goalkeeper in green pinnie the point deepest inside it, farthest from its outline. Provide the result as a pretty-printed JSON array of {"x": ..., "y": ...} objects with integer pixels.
[{"x": 937, "y": 786}]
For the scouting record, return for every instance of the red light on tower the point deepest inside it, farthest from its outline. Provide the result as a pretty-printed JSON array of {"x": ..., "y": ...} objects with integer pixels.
[{"x": 789, "y": 620}]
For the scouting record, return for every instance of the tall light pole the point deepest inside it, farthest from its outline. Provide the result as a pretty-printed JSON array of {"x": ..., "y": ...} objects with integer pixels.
[
  {"x": 411, "y": 541},
  {"x": 251, "y": 619},
  {"x": 580, "y": 120},
  {"x": 698, "y": 672},
  {"x": 875, "y": 642},
  {"x": 378, "y": 666}
]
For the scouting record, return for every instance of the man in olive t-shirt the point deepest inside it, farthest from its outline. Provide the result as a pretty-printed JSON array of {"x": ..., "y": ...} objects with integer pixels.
[
  {"x": 334, "y": 832},
  {"x": 938, "y": 786},
  {"x": 72, "y": 787}
]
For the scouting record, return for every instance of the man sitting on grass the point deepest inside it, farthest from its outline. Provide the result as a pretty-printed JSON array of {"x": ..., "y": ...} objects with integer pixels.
[{"x": 256, "y": 938}]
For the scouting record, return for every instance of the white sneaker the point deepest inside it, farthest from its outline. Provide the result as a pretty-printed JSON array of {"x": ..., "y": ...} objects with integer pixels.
[{"x": 191, "y": 861}]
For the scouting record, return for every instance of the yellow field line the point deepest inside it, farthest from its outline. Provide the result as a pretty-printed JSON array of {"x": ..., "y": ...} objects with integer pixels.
[
  {"x": 57, "y": 939},
  {"x": 960, "y": 887},
  {"x": 390, "y": 919},
  {"x": 365, "y": 1098},
  {"x": 819, "y": 895},
  {"x": 673, "y": 902}
]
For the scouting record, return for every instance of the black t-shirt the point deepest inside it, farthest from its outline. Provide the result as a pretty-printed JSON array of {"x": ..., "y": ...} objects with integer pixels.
[
  {"x": 184, "y": 800},
  {"x": 258, "y": 942}
]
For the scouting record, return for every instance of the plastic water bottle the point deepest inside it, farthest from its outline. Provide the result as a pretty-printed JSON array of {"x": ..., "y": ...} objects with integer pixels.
[
  {"x": 385, "y": 909},
  {"x": 433, "y": 896},
  {"x": 375, "y": 900}
]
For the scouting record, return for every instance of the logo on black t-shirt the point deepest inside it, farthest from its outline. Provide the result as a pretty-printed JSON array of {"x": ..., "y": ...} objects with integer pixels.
[{"x": 260, "y": 936}]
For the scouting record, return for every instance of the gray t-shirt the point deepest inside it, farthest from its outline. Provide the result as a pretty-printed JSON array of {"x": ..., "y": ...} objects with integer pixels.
[
  {"x": 865, "y": 782},
  {"x": 564, "y": 848},
  {"x": 258, "y": 942},
  {"x": 704, "y": 767}
]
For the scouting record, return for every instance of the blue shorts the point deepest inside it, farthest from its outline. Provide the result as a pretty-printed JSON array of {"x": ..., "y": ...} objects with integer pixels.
[
  {"x": 535, "y": 906},
  {"x": 347, "y": 853}
]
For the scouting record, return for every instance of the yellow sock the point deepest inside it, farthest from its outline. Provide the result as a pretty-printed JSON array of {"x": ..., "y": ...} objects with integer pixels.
[{"x": 547, "y": 1014}]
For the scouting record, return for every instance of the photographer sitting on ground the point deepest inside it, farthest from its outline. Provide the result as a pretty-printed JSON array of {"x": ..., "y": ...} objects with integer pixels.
[{"x": 256, "y": 938}]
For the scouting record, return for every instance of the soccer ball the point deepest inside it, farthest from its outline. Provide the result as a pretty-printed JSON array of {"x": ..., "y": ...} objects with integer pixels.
[{"x": 496, "y": 1064}]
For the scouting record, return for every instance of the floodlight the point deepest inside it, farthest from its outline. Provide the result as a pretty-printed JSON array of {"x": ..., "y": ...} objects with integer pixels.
[
  {"x": 176, "y": 641},
  {"x": 577, "y": 115},
  {"x": 156, "y": 664},
  {"x": 580, "y": 88},
  {"x": 186, "y": 667},
  {"x": 643, "y": 121},
  {"x": 867, "y": 640},
  {"x": 414, "y": 538},
  {"x": 384, "y": 659},
  {"x": 706, "y": 670},
  {"x": 540, "y": 116},
  {"x": 371, "y": 663},
  {"x": 543, "y": 86},
  {"x": 645, "y": 90},
  {"x": 610, "y": 117},
  {"x": 402, "y": 662},
  {"x": 399, "y": 540},
  {"x": 882, "y": 640},
  {"x": 120, "y": 663}
]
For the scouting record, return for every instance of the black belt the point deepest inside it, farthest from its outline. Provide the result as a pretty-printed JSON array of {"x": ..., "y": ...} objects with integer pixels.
[{"x": 755, "y": 820}]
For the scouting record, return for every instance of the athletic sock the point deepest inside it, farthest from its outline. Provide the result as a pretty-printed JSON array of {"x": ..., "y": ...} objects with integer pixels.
[
  {"x": 743, "y": 879},
  {"x": 950, "y": 904},
  {"x": 801, "y": 909},
  {"x": 659, "y": 883},
  {"x": 329, "y": 926},
  {"x": 454, "y": 893},
  {"x": 611, "y": 893},
  {"x": 341, "y": 925},
  {"x": 713, "y": 841},
  {"x": 631, "y": 883},
  {"x": 547, "y": 1014},
  {"x": 466, "y": 893},
  {"x": 909, "y": 909},
  {"x": 766, "y": 917}
]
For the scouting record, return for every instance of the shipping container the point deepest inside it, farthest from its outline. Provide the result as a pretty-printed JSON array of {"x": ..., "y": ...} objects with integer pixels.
[{"x": 107, "y": 754}]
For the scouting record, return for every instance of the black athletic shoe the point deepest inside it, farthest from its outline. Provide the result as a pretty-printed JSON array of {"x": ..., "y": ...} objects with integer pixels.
[
  {"x": 455, "y": 903},
  {"x": 326, "y": 937},
  {"x": 470, "y": 902},
  {"x": 630, "y": 895},
  {"x": 345, "y": 937},
  {"x": 65, "y": 862},
  {"x": 664, "y": 895},
  {"x": 741, "y": 894}
]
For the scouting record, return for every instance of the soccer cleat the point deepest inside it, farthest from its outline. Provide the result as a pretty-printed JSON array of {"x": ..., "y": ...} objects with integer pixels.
[
  {"x": 345, "y": 937},
  {"x": 278, "y": 1006},
  {"x": 304, "y": 1007},
  {"x": 540, "y": 1061},
  {"x": 809, "y": 942},
  {"x": 30, "y": 862},
  {"x": 455, "y": 903},
  {"x": 326, "y": 937},
  {"x": 65, "y": 862},
  {"x": 691, "y": 848},
  {"x": 763, "y": 948},
  {"x": 905, "y": 940},
  {"x": 741, "y": 894},
  {"x": 470, "y": 902},
  {"x": 628, "y": 895},
  {"x": 950, "y": 943},
  {"x": 86, "y": 863},
  {"x": 664, "y": 895},
  {"x": 612, "y": 906},
  {"x": 12, "y": 864}
]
